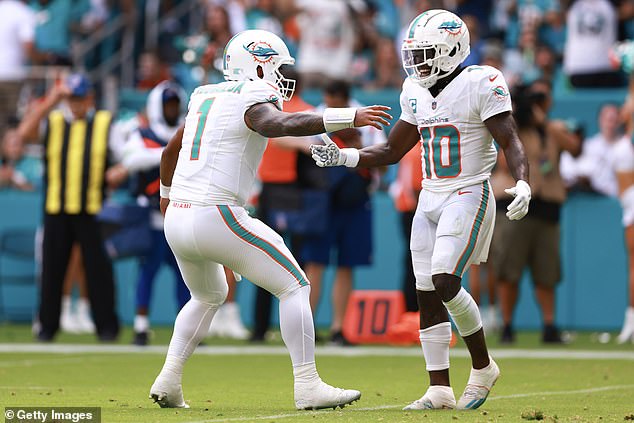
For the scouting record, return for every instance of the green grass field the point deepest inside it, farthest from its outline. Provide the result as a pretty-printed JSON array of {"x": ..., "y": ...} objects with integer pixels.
[{"x": 585, "y": 381}]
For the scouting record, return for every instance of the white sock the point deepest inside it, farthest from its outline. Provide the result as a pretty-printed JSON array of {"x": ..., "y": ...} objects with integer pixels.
[
  {"x": 296, "y": 324},
  {"x": 83, "y": 307},
  {"x": 141, "y": 323},
  {"x": 191, "y": 326},
  {"x": 464, "y": 312},
  {"x": 67, "y": 304},
  {"x": 435, "y": 342},
  {"x": 306, "y": 373}
]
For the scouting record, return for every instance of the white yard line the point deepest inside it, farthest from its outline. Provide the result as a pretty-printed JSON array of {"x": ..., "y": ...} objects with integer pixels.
[
  {"x": 553, "y": 354},
  {"x": 389, "y": 407},
  {"x": 37, "y": 361}
]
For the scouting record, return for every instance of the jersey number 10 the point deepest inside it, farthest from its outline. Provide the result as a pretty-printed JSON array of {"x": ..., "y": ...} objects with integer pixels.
[{"x": 441, "y": 145}]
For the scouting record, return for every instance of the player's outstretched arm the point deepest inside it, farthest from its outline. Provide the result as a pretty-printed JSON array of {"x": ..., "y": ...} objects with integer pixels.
[
  {"x": 503, "y": 129},
  {"x": 169, "y": 157},
  {"x": 269, "y": 121},
  {"x": 401, "y": 139}
]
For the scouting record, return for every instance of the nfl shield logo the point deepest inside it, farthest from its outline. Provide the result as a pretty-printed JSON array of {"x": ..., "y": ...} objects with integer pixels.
[{"x": 433, "y": 105}]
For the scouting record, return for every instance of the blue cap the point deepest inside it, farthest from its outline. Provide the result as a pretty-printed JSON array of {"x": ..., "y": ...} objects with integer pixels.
[
  {"x": 78, "y": 84},
  {"x": 170, "y": 93}
]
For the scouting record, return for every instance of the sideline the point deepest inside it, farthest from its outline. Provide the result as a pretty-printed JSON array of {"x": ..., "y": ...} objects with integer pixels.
[{"x": 548, "y": 354}]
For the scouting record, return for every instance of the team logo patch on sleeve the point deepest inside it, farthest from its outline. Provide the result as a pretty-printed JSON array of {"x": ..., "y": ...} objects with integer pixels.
[{"x": 500, "y": 92}]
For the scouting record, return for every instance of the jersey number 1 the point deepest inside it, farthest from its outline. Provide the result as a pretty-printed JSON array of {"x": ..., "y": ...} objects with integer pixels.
[
  {"x": 441, "y": 144},
  {"x": 203, "y": 112}
]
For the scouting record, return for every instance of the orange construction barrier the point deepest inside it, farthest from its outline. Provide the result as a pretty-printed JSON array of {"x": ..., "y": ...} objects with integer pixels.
[{"x": 370, "y": 313}]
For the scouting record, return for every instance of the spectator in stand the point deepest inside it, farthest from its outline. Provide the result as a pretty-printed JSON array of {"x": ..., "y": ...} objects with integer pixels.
[
  {"x": 405, "y": 191},
  {"x": 388, "y": 71},
  {"x": 281, "y": 194},
  {"x": 76, "y": 151},
  {"x": 17, "y": 33},
  {"x": 493, "y": 55},
  {"x": 55, "y": 21},
  {"x": 528, "y": 14},
  {"x": 218, "y": 35},
  {"x": 236, "y": 12},
  {"x": 546, "y": 63},
  {"x": 349, "y": 218},
  {"x": 367, "y": 39},
  {"x": 263, "y": 16},
  {"x": 592, "y": 31},
  {"x": 520, "y": 62},
  {"x": 592, "y": 169},
  {"x": 327, "y": 41},
  {"x": 203, "y": 51},
  {"x": 151, "y": 71},
  {"x": 534, "y": 241}
]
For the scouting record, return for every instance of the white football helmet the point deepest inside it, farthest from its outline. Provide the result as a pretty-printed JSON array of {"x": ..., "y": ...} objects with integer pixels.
[
  {"x": 437, "y": 42},
  {"x": 249, "y": 50}
]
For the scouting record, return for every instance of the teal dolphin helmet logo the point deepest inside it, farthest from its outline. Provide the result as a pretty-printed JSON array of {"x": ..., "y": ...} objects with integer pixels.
[
  {"x": 261, "y": 51},
  {"x": 451, "y": 27}
]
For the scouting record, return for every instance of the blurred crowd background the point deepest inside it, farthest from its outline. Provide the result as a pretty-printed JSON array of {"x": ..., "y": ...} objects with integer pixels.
[{"x": 560, "y": 59}]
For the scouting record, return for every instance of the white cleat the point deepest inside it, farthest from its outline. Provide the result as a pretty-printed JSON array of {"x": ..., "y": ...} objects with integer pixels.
[
  {"x": 86, "y": 325},
  {"x": 69, "y": 323},
  {"x": 479, "y": 385},
  {"x": 227, "y": 323},
  {"x": 316, "y": 396},
  {"x": 167, "y": 395},
  {"x": 627, "y": 333},
  {"x": 436, "y": 398}
]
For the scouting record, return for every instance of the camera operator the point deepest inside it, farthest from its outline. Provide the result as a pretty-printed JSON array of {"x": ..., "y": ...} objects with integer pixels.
[{"x": 534, "y": 240}]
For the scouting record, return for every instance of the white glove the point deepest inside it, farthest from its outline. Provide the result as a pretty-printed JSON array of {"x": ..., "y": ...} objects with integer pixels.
[
  {"x": 329, "y": 154},
  {"x": 519, "y": 207}
]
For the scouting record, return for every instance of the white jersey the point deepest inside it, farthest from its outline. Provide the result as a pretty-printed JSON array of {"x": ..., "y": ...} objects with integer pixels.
[
  {"x": 457, "y": 147},
  {"x": 220, "y": 155},
  {"x": 622, "y": 156}
]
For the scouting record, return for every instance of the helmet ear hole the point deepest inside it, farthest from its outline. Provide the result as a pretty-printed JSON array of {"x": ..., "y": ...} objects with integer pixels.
[
  {"x": 453, "y": 51},
  {"x": 260, "y": 72}
]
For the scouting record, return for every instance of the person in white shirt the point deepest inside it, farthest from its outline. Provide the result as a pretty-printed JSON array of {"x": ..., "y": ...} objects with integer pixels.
[
  {"x": 593, "y": 169},
  {"x": 591, "y": 27},
  {"x": 207, "y": 172},
  {"x": 455, "y": 112},
  {"x": 17, "y": 32},
  {"x": 327, "y": 31}
]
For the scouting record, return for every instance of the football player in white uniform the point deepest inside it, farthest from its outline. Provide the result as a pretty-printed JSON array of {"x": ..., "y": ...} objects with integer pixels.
[
  {"x": 207, "y": 172},
  {"x": 455, "y": 112}
]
